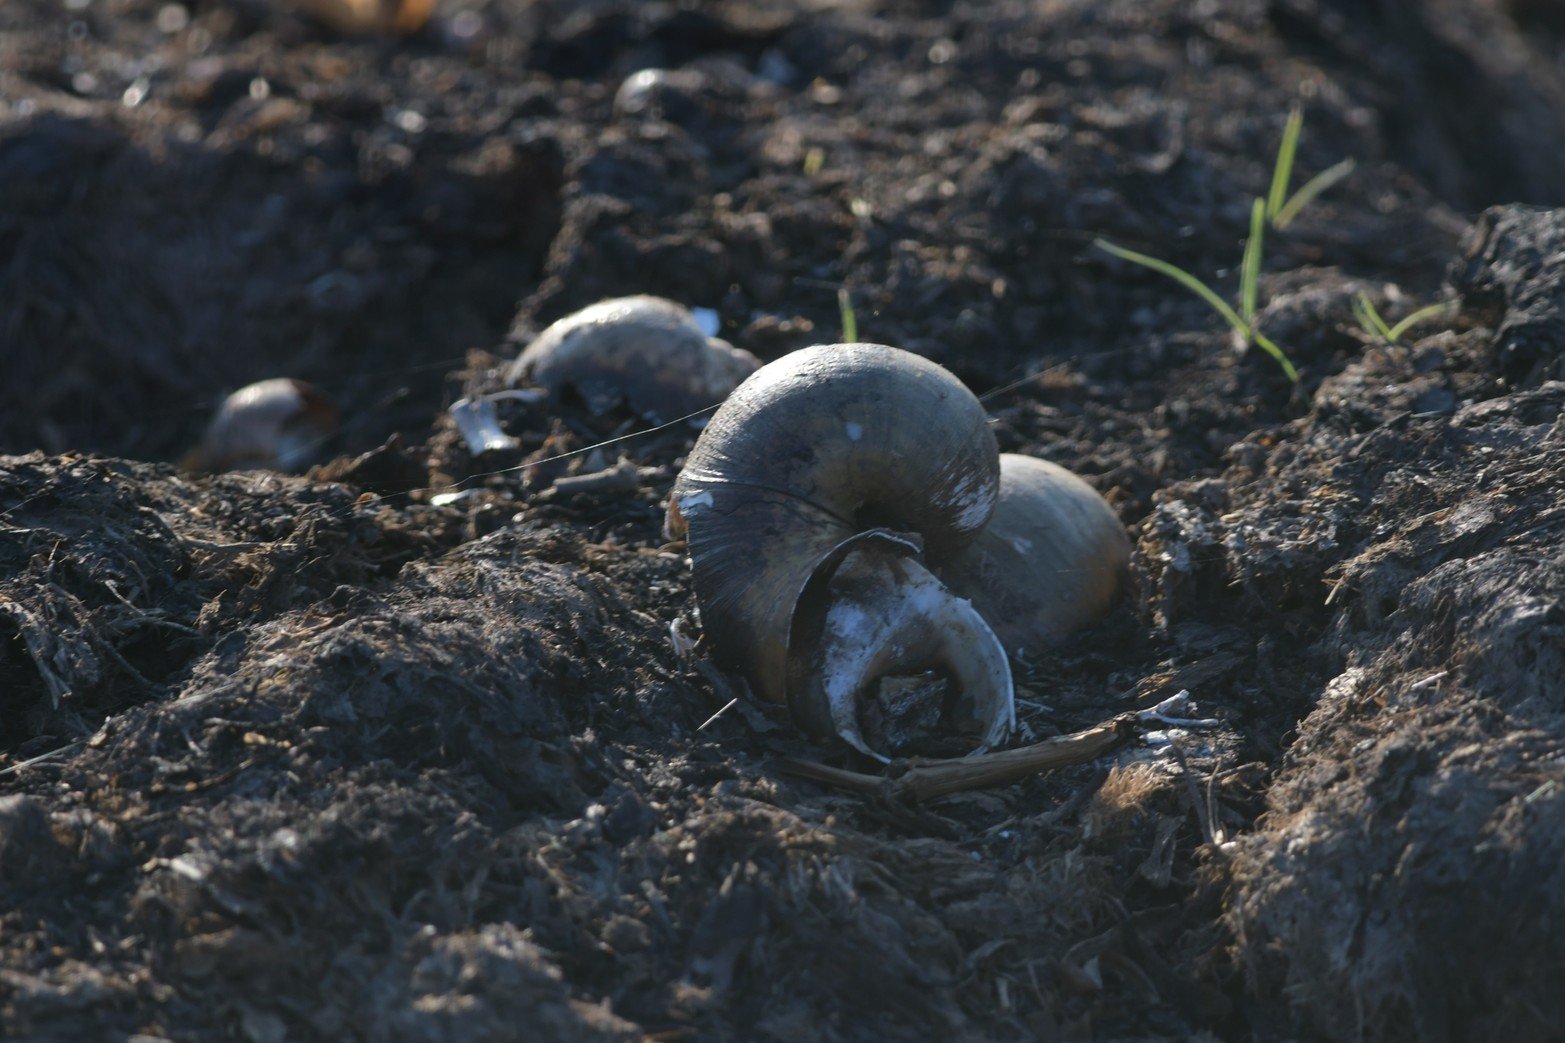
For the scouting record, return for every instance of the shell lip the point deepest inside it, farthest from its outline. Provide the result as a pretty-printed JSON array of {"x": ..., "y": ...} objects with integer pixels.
[
  {"x": 808, "y": 620},
  {"x": 886, "y": 620}
]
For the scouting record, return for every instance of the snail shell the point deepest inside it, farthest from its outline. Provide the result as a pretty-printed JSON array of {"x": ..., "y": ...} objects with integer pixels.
[
  {"x": 660, "y": 92},
  {"x": 276, "y": 424},
  {"x": 645, "y": 351},
  {"x": 1050, "y": 561},
  {"x": 808, "y": 502}
]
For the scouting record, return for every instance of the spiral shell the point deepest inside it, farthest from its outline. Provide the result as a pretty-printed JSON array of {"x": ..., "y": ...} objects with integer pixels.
[
  {"x": 1051, "y": 560},
  {"x": 815, "y": 490},
  {"x": 277, "y": 424},
  {"x": 647, "y": 352}
]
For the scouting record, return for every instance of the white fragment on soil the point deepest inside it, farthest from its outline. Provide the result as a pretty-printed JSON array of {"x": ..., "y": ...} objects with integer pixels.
[
  {"x": 1175, "y": 711},
  {"x": 447, "y": 499},
  {"x": 707, "y": 319},
  {"x": 682, "y": 643},
  {"x": 480, "y": 425},
  {"x": 855, "y": 431},
  {"x": 186, "y": 868}
]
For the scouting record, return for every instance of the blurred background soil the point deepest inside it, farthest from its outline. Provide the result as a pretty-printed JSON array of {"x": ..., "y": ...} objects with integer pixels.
[{"x": 323, "y": 758}]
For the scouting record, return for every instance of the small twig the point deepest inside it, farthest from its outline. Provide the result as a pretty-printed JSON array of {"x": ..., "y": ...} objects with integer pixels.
[
  {"x": 1187, "y": 777},
  {"x": 729, "y": 705},
  {"x": 623, "y": 477},
  {"x": 41, "y": 757},
  {"x": 1219, "y": 834},
  {"x": 923, "y": 779},
  {"x": 231, "y": 548},
  {"x": 1171, "y": 713}
]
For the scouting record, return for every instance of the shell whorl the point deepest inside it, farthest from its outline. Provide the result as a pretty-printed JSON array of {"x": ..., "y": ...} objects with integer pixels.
[
  {"x": 276, "y": 424},
  {"x": 824, "y": 450},
  {"x": 646, "y": 351},
  {"x": 1050, "y": 561}
]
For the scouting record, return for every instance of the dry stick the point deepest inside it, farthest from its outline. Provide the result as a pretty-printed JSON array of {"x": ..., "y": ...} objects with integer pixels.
[
  {"x": 1187, "y": 776},
  {"x": 623, "y": 477},
  {"x": 926, "y": 779},
  {"x": 19, "y": 765}
]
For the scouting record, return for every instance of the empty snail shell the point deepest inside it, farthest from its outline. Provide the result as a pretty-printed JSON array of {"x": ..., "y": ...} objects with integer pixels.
[
  {"x": 808, "y": 502},
  {"x": 276, "y": 424},
  {"x": 1050, "y": 561},
  {"x": 645, "y": 351},
  {"x": 660, "y": 92}
]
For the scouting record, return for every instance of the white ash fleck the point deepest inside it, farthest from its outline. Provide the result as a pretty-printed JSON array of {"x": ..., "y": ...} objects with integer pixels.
[{"x": 480, "y": 425}]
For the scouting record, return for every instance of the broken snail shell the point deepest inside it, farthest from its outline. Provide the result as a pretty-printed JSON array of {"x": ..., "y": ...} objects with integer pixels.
[
  {"x": 276, "y": 424},
  {"x": 645, "y": 351},
  {"x": 1050, "y": 561},
  {"x": 808, "y": 502}
]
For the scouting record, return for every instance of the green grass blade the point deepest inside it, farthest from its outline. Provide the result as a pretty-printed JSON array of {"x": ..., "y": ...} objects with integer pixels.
[
  {"x": 1250, "y": 268},
  {"x": 1369, "y": 318},
  {"x": 1207, "y": 294},
  {"x": 1362, "y": 319},
  {"x": 1276, "y": 353},
  {"x": 850, "y": 322},
  {"x": 1282, "y": 172},
  {"x": 1312, "y": 188},
  {"x": 1421, "y": 315},
  {"x": 1179, "y": 275}
]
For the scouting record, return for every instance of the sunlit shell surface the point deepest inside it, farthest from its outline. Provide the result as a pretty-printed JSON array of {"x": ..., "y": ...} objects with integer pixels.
[
  {"x": 1050, "y": 561},
  {"x": 277, "y": 424},
  {"x": 646, "y": 352}
]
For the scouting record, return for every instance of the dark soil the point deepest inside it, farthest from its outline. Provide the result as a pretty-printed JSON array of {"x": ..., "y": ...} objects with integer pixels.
[{"x": 317, "y": 758}]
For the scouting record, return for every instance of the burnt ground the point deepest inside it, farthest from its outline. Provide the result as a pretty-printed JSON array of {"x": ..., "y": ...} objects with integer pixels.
[{"x": 314, "y": 758}]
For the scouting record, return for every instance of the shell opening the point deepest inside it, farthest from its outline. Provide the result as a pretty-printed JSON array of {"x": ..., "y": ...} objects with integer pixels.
[{"x": 892, "y": 661}]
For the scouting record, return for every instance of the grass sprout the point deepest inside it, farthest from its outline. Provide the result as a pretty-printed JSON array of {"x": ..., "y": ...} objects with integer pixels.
[
  {"x": 1250, "y": 268},
  {"x": 1282, "y": 208},
  {"x": 1282, "y": 170},
  {"x": 1369, "y": 318},
  {"x": 850, "y": 322},
  {"x": 1311, "y": 189},
  {"x": 1277, "y": 209},
  {"x": 1209, "y": 295},
  {"x": 1424, "y": 314}
]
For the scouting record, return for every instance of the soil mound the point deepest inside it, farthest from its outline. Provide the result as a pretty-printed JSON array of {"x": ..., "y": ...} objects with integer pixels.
[{"x": 417, "y": 746}]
